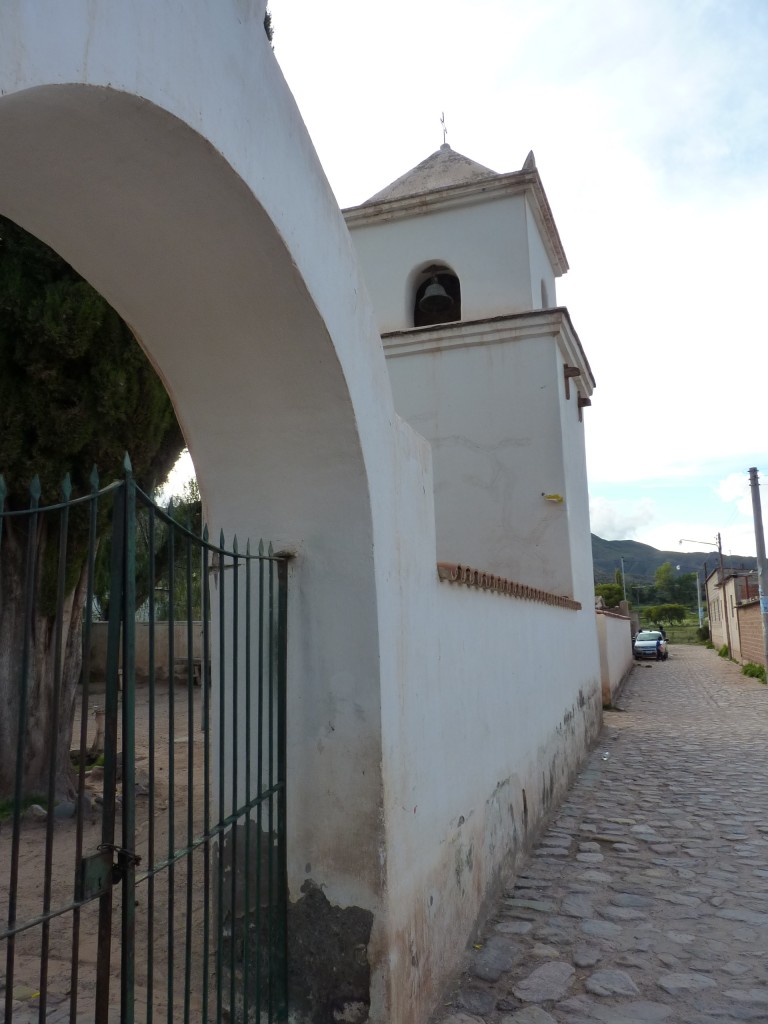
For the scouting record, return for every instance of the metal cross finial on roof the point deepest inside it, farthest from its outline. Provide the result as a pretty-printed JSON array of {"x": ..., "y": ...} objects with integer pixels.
[{"x": 442, "y": 122}]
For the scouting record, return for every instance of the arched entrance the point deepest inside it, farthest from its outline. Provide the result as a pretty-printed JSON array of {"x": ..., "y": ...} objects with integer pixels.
[{"x": 192, "y": 200}]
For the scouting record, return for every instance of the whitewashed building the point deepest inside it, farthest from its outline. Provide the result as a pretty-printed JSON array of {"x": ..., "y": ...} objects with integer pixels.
[
  {"x": 461, "y": 264},
  {"x": 497, "y": 380},
  {"x": 443, "y": 670}
]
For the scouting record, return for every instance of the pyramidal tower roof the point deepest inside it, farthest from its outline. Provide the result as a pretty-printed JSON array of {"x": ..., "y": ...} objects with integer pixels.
[
  {"x": 441, "y": 169},
  {"x": 447, "y": 179}
]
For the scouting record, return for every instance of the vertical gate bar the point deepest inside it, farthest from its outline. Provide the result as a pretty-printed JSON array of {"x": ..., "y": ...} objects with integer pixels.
[
  {"x": 271, "y": 812},
  {"x": 151, "y": 583},
  {"x": 222, "y": 810},
  {"x": 110, "y": 749},
  {"x": 30, "y": 566},
  {"x": 126, "y": 859},
  {"x": 190, "y": 776},
  {"x": 93, "y": 506},
  {"x": 235, "y": 769},
  {"x": 171, "y": 757},
  {"x": 259, "y": 995},
  {"x": 53, "y": 745},
  {"x": 282, "y": 770},
  {"x": 206, "y": 684},
  {"x": 248, "y": 726}
]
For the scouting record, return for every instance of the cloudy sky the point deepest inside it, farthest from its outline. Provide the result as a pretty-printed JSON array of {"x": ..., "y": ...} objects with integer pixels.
[{"x": 649, "y": 121}]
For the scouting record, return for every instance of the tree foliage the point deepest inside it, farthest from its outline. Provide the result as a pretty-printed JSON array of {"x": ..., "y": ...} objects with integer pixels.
[
  {"x": 76, "y": 390},
  {"x": 664, "y": 578},
  {"x": 666, "y": 613},
  {"x": 611, "y": 593},
  {"x": 673, "y": 586},
  {"x": 187, "y": 590},
  {"x": 163, "y": 563}
]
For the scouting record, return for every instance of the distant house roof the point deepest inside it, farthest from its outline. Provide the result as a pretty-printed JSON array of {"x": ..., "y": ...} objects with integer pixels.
[
  {"x": 441, "y": 169},
  {"x": 731, "y": 573}
]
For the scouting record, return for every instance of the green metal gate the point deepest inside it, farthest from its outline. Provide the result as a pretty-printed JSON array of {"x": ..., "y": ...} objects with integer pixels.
[{"x": 146, "y": 883}]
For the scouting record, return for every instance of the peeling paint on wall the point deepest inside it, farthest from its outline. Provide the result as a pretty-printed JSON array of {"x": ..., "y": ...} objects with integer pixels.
[{"x": 481, "y": 851}]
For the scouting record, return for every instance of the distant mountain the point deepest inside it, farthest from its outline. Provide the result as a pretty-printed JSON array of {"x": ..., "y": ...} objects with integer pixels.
[{"x": 641, "y": 560}]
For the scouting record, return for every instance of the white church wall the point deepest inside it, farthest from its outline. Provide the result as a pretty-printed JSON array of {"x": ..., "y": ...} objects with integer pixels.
[
  {"x": 614, "y": 635},
  {"x": 486, "y": 397},
  {"x": 484, "y": 244},
  {"x": 573, "y": 424},
  {"x": 542, "y": 277},
  {"x": 476, "y": 754}
]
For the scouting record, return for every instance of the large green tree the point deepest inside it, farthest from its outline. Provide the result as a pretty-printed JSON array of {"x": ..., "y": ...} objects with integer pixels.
[
  {"x": 611, "y": 593},
  {"x": 664, "y": 579},
  {"x": 674, "y": 586},
  {"x": 76, "y": 390},
  {"x": 665, "y": 613}
]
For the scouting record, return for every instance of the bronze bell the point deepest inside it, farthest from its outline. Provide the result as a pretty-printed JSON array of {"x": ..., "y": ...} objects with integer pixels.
[{"x": 435, "y": 298}]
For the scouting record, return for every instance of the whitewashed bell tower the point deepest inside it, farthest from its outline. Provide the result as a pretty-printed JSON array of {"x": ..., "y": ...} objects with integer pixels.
[{"x": 461, "y": 264}]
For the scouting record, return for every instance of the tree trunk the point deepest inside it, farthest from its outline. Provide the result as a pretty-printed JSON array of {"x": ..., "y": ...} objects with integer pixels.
[{"x": 47, "y": 736}]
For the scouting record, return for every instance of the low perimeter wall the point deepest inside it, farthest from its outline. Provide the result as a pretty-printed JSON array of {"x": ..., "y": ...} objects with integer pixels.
[
  {"x": 162, "y": 652},
  {"x": 481, "y": 739},
  {"x": 751, "y": 632},
  {"x": 614, "y": 637}
]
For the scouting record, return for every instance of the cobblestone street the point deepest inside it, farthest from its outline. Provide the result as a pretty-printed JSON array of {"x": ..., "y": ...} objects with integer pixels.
[{"x": 646, "y": 899}]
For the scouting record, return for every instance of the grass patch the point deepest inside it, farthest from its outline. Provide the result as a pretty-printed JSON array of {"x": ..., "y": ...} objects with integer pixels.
[
  {"x": 687, "y": 632},
  {"x": 723, "y": 651},
  {"x": 754, "y": 671},
  {"x": 683, "y": 633},
  {"x": 7, "y": 806},
  {"x": 90, "y": 760}
]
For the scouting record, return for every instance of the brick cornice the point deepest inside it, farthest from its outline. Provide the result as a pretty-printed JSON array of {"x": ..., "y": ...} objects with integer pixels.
[{"x": 452, "y": 572}]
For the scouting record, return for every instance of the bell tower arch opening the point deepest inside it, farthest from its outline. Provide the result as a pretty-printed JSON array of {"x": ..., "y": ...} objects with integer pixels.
[{"x": 437, "y": 296}]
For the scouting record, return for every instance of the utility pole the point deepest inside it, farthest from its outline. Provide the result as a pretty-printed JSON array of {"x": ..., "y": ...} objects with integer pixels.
[
  {"x": 698, "y": 599},
  {"x": 719, "y": 546},
  {"x": 623, "y": 579},
  {"x": 725, "y": 596},
  {"x": 762, "y": 568}
]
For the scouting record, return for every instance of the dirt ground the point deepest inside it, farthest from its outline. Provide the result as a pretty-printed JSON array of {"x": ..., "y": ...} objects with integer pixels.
[{"x": 170, "y": 923}]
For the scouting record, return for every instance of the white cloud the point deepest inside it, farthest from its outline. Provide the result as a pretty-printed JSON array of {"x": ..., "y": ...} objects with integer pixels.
[
  {"x": 621, "y": 519},
  {"x": 737, "y": 539},
  {"x": 734, "y": 489}
]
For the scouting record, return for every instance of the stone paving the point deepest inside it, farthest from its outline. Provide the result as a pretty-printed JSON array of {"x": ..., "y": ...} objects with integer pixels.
[{"x": 646, "y": 899}]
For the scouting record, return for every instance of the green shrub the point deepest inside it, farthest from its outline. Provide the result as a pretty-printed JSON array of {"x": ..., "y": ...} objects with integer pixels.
[
  {"x": 709, "y": 645},
  {"x": 754, "y": 671},
  {"x": 703, "y": 632},
  {"x": 723, "y": 651}
]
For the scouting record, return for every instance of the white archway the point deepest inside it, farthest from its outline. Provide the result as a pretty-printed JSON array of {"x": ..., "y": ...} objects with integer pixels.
[{"x": 160, "y": 152}]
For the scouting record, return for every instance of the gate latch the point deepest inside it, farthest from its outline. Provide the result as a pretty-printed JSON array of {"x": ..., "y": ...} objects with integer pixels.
[{"x": 99, "y": 871}]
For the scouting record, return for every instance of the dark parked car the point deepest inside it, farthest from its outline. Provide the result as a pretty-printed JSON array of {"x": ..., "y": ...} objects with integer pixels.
[{"x": 650, "y": 643}]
